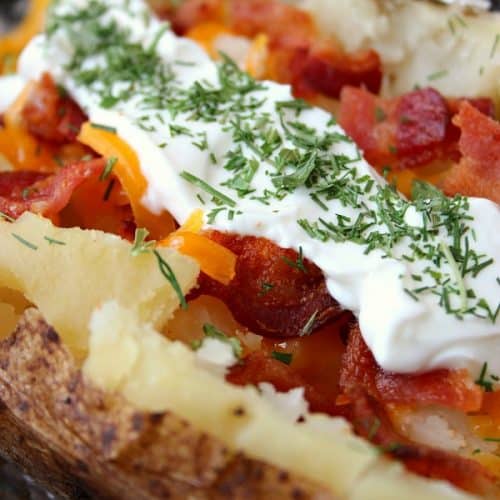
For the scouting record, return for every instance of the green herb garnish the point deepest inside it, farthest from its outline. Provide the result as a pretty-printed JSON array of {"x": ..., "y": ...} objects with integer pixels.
[
  {"x": 106, "y": 128},
  {"x": 140, "y": 245},
  {"x": 110, "y": 163},
  {"x": 308, "y": 327},
  {"x": 284, "y": 357},
  {"x": 482, "y": 381},
  {"x": 217, "y": 195},
  {"x": 298, "y": 263},
  {"x": 52, "y": 241},
  {"x": 213, "y": 332},
  {"x": 169, "y": 274},
  {"x": 26, "y": 243},
  {"x": 6, "y": 217}
]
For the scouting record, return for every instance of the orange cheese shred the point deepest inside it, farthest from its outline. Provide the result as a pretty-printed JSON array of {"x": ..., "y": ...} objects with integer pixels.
[
  {"x": 128, "y": 171},
  {"x": 17, "y": 145},
  {"x": 194, "y": 223},
  {"x": 486, "y": 425},
  {"x": 205, "y": 34},
  {"x": 490, "y": 461},
  {"x": 491, "y": 405},
  {"x": 256, "y": 60},
  {"x": 214, "y": 259}
]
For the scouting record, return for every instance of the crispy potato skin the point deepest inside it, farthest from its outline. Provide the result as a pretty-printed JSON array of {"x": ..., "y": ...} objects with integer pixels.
[{"x": 83, "y": 443}]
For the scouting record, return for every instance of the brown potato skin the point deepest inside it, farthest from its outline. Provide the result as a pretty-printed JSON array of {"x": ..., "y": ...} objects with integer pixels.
[{"x": 80, "y": 442}]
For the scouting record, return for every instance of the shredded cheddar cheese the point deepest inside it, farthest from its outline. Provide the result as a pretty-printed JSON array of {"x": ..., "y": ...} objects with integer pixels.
[{"x": 128, "y": 171}]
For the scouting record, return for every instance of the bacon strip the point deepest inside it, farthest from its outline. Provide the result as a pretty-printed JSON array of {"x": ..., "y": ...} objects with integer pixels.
[
  {"x": 12, "y": 184},
  {"x": 259, "y": 367},
  {"x": 271, "y": 293},
  {"x": 192, "y": 13},
  {"x": 370, "y": 420},
  {"x": 50, "y": 114},
  {"x": 299, "y": 56},
  {"x": 408, "y": 131},
  {"x": 368, "y": 416},
  {"x": 47, "y": 195},
  {"x": 327, "y": 70},
  {"x": 453, "y": 389},
  {"x": 478, "y": 173},
  {"x": 275, "y": 18}
]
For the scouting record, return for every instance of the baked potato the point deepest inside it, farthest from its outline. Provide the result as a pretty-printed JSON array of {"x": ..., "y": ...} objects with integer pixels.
[
  {"x": 157, "y": 423},
  {"x": 99, "y": 399},
  {"x": 80, "y": 441}
]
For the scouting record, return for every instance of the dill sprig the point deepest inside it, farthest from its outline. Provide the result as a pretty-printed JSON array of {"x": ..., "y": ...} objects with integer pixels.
[
  {"x": 212, "y": 331},
  {"x": 169, "y": 275}
]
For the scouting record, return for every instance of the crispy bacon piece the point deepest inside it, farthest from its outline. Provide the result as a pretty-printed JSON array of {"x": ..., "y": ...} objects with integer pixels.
[
  {"x": 192, "y": 13},
  {"x": 12, "y": 184},
  {"x": 404, "y": 132},
  {"x": 370, "y": 420},
  {"x": 453, "y": 389},
  {"x": 299, "y": 56},
  {"x": 50, "y": 114},
  {"x": 483, "y": 104},
  {"x": 367, "y": 414},
  {"x": 46, "y": 195},
  {"x": 478, "y": 173},
  {"x": 260, "y": 367},
  {"x": 274, "y": 292},
  {"x": 364, "y": 117},
  {"x": 422, "y": 122},
  {"x": 327, "y": 71},
  {"x": 251, "y": 17}
]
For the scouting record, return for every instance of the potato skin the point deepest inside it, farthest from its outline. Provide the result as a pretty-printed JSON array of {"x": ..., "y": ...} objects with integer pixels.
[{"x": 81, "y": 442}]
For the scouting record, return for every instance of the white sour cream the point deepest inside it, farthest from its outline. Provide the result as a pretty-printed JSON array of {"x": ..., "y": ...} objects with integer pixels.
[
  {"x": 478, "y": 4},
  {"x": 405, "y": 332},
  {"x": 10, "y": 88}
]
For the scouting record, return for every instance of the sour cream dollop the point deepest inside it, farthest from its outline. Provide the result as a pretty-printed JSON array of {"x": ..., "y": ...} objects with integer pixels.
[
  {"x": 259, "y": 162},
  {"x": 11, "y": 87}
]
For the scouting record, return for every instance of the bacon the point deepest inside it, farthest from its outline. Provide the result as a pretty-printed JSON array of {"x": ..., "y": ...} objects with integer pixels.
[
  {"x": 422, "y": 122},
  {"x": 405, "y": 132},
  {"x": 50, "y": 114},
  {"x": 192, "y": 13},
  {"x": 370, "y": 420},
  {"x": 453, "y": 389},
  {"x": 299, "y": 56},
  {"x": 483, "y": 104},
  {"x": 329, "y": 72},
  {"x": 364, "y": 117},
  {"x": 274, "y": 292},
  {"x": 47, "y": 195},
  {"x": 478, "y": 173},
  {"x": 12, "y": 184},
  {"x": 251, "y": 17},
  {"x": 259, "y": 367}
]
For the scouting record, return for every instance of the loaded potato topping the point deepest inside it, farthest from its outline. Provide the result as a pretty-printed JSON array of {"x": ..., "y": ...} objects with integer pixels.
[{"x": 333, "y": 274}]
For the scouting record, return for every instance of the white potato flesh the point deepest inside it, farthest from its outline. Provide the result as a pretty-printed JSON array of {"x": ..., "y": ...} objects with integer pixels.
[
  {"x": 157, "y": 374},
  {"x": 67, "y": 273},
  {"x": 419, "y": 43}
]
